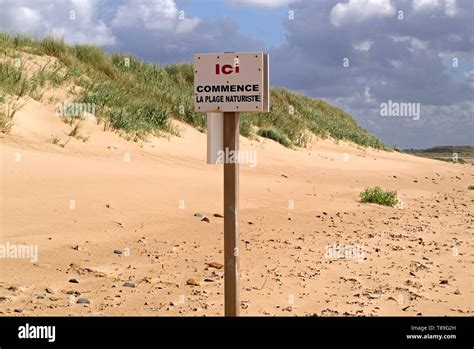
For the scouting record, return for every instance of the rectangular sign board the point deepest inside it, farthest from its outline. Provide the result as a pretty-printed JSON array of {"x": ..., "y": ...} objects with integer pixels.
[{"x": 231, "y": 82}]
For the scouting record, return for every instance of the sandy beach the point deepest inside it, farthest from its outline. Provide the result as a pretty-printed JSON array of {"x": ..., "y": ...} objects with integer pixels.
[{"x": 118, "y": 227}]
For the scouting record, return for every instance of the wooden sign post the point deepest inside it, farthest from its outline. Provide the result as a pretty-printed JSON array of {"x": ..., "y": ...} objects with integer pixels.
[
  {"x": 231, "y": 218},
  {"x": 229, "y": 83}
]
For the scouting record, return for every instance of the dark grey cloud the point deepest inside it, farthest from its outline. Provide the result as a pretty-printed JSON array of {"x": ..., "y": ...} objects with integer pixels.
[
  {"x": 164, "y": 48},
  {"x": 399, "y": 60}
]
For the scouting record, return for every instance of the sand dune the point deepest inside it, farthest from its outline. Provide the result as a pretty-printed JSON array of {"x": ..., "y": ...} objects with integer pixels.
[{"x": 119, "y": 218}]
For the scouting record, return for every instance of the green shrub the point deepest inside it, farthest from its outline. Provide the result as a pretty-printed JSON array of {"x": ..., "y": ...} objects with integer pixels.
[
  {"x": 274, "y": 134},
  {"x": 379, "y": 196}
]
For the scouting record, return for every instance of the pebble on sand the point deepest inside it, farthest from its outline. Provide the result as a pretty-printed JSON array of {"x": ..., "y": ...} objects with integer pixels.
[
  {"x": 215, "y": 265},
  {"x": 128, "y": 284},
  {"x": 205, "y": 219},
  {"x": 83, "y": 301},
  {"x": 192, "y": 282},
  {"x": 74, "y": 281}
]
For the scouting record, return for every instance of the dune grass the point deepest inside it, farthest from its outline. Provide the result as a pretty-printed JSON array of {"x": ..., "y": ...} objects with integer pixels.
[
  {"x": 379, "y": 196},
  {"x": 8, "y": 108},
  {"x": 138, "y": 98},
  {"x": 274, "y": 134}
]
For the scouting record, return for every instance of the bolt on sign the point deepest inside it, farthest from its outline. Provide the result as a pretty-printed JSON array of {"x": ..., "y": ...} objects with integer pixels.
[{"x": 231, "y": 82}]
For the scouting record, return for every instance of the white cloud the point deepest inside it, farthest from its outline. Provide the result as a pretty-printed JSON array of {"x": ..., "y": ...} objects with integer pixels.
[
  {"x": 423, "y": 5},
  {"x": 363, "y": 45},
  {"x": 154, "y": 15},
  {"x": 264, "y": 3},
  {"x": 415, "y": 43},
  {"x": 418, "y": 44},
  {"x": 27, "y": 19},
  {"x": 469, "y": 75},
  {"x": 75, "y": 20},
  {"x": 360, "y": 10},
  {"x": 450, "y": 6}
]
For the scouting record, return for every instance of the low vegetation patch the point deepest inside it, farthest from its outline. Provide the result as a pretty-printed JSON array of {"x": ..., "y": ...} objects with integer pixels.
[
  {"x": 274, "y": 134},
  {"x": 379, "y": 196}
]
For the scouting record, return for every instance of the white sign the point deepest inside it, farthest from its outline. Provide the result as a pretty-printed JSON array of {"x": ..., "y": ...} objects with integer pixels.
[{"x": 231, "y": 82}]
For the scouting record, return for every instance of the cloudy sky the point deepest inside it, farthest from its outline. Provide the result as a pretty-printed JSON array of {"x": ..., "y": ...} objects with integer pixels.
[{"x": 358, "y": 54}]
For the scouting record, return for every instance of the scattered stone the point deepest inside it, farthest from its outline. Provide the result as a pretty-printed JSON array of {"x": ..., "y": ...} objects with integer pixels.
[
  {"x": 76, "y": 293},
  {"x": 205, "y": 219},
  {"x": 250, "y": 223},
  {"x": 73, "y": 281},
  {"x": 199, "y": 215},
  {"x": 119, "y": 224},
  {"x": 285, "y": 176},
  {"x": 117, "y": 252},
  {"x": 83, "y": 301},
  {"x": 147, "y": 279},
  {"x": 404, "y": 309},
  {"x": 208, "y": 280},
  {"x": 128, "y": 284},
  {"x": 217, "y": 215},
  {"x": 18, "y": 310},
  {"x": 457, "y": 291},
  {"x": 13, "y": 288},
  {"x": 49, "y": 290},
  {"x": 40, "y": 296},
  {"x": 76, "y": 247},
  {"x": 53, "y": 299},
  {"x": 215, "y": 265},
  {"x": 443, "y": 282},
  {"x": 192, "y": 282},
  {"x": 108, "y": 205}
]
